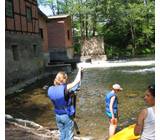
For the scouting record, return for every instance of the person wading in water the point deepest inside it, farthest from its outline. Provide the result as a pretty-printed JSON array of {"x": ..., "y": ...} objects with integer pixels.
[
  {"x": 64, "y": 109},
  {"x": 111, "y": 108}
]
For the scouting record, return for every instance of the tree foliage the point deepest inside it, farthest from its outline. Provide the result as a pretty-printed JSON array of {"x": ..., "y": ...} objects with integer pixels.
[{"x": 128, "y": 26}]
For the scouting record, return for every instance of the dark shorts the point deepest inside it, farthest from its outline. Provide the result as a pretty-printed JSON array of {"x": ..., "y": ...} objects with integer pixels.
[{"x": 110, "y": 115}]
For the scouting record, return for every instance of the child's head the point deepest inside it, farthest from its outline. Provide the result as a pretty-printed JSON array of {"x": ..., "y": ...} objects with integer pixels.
[
  {"x": 116, "y": 88},
  {"x": 61, "y": 78}
]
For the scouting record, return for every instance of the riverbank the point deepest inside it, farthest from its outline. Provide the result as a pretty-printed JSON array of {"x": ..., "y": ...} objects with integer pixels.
[
  {"x": 19, "y": 129},
  {"x": 14, "y": 131}
]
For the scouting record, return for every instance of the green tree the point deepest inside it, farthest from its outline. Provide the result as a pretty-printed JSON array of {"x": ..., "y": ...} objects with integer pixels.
[
  {"x": 127, "y": 25},
  {"x": 129, "y": 22}
]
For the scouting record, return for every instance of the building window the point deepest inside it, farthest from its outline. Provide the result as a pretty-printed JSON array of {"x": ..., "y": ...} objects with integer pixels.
[
  {"x": 68, "y": 34},
  {"x": 41, "y": 32},
  {"x": 15, "y": 52},
  {"x": 9, "y": 8},
  {"x": 29, "y": 14},
  {"x": 35, "y": 50}
]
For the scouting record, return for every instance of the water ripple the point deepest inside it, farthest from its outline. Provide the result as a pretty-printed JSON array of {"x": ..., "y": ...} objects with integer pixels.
[{"x": 140, "y": 70}]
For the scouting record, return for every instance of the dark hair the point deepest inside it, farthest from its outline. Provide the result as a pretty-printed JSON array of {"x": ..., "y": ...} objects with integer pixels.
[{"x": 151, "y": 89}]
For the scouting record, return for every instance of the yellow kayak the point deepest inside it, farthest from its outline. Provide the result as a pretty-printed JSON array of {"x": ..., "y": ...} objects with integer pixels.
[{"x": 125, "y": 134}]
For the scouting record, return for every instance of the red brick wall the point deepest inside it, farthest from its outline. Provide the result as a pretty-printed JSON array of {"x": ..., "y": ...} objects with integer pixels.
[
  {"x": 18, "y": 23},
  {"x": 42, "y": 23},
  {"x": 68, "y": 26},
  {"x": 57, "y": 33},
  {"x": 16, "y": 6}
]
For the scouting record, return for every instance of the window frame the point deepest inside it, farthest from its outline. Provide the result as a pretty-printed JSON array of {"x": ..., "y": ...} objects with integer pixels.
[
  {"x": 68, "y": 34},
  {"x": 15, "y": 52},
  {"x": 35, "y": 50},
  {"x": 11, "y": 10},
  {"x": 29, "y": 19},
  {"x": 41, "y": 33}
]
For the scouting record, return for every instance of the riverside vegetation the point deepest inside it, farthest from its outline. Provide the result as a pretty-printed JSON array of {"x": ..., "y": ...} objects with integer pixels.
[{"x": 128, "y": 27}]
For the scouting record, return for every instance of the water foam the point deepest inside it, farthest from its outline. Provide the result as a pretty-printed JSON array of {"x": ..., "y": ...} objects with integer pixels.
[
  {"x": 115, "y": 64},
  {"x": 140, "y": 70}
]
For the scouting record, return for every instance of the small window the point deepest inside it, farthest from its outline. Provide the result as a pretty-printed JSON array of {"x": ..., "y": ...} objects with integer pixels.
[
  {"x": 35, "y": 50},
  {"x": 29, "y": 14},
  {"x": 68, "y": 34},
  {"x": 9, "y": 8},
  {"x": 41, "y": 32},
  {"x": 15, "y": 52}
]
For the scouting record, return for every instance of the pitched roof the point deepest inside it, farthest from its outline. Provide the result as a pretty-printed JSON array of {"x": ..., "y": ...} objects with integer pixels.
[
  {"x": 52, "y": 17},
  {"x": 58, "y": 16}
]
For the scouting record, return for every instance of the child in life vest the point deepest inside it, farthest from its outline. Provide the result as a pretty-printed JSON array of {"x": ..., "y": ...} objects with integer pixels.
[{"x": 111, "y": 107}]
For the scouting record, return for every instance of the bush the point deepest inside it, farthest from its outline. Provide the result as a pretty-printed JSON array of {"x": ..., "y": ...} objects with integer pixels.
[
  {"x": 77, "y": 48},
  {"x": 145, "y": 50}
]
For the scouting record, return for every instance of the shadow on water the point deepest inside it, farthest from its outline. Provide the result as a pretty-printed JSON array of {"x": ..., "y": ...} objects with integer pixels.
[
  {"x": 31, "y": 106},
  {"x": 34, "y": 104}
]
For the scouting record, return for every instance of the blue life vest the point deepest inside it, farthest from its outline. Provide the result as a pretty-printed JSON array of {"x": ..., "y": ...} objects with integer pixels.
[
  {"x": 57, "y": 96},
  {"x": 115, "y": 104}
]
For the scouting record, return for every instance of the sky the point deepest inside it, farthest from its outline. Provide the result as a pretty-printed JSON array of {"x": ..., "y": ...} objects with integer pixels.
[{"x": 46, "y": 10}]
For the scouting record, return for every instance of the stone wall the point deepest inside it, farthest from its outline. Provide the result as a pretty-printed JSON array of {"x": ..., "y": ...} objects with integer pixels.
[
  {"x": 92, "y": 46},
  {"x": 92, "y": 49},
  {"x": 23, "y": 58},
  {"x": 61, "y": 54}
]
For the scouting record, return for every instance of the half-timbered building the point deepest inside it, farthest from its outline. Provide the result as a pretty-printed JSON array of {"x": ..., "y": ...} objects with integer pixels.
[{"x": 23, "y": 46}]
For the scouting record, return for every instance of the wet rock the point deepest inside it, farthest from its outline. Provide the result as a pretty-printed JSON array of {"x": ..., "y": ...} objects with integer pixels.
[
  {"x": 8, "y": 116},
  {"x": 45, "y": 87},
  {"x": 18, "y": 129},
  {"x": 131, "y": 95}
]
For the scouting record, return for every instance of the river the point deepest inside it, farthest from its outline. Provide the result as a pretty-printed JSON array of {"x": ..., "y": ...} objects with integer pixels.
[{"x": 133, "y": 74}]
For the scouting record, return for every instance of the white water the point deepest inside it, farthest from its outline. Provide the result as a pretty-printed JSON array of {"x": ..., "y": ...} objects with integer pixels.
[
  {"x": 140, "y": 70},
  {"x": 119, "y": 63}
]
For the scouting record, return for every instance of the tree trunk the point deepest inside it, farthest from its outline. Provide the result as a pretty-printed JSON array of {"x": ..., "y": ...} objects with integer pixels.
[
  {"x": 95, "y": 19},
  {"x": 80, "y": 21},
  {"x": 86, "y": 25},
  {"x": 133, "y": 39},
  {"x": 94, "y": 28},
  {"x": 58, "y": 11}
]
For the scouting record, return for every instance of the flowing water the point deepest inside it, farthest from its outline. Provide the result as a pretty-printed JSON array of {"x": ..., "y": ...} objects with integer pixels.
[{"x": 134, "y": 75}]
